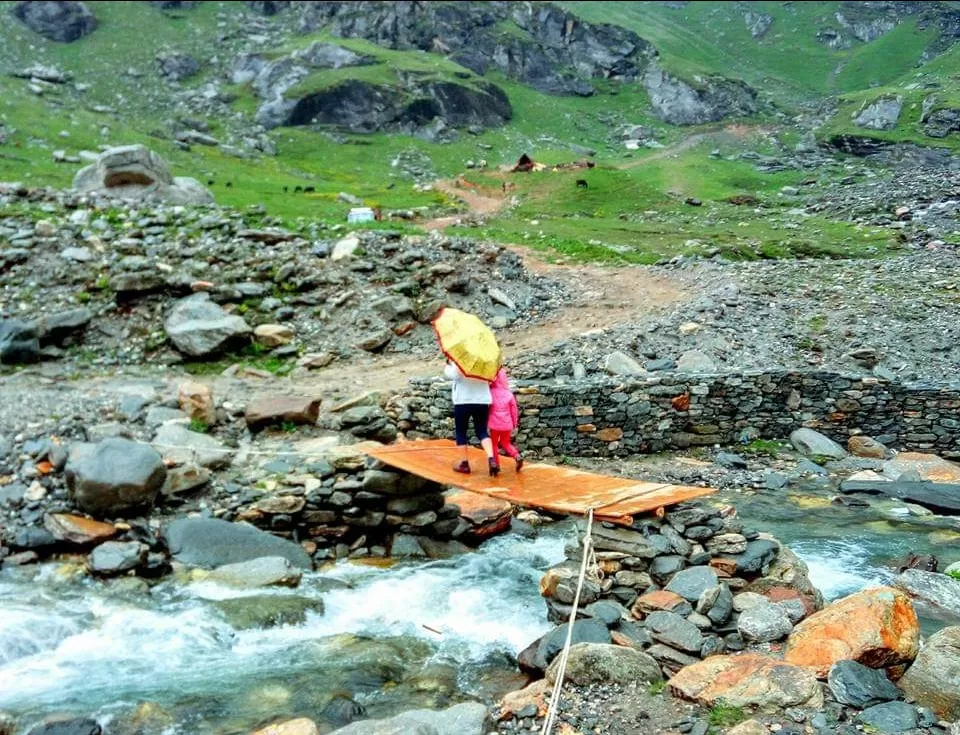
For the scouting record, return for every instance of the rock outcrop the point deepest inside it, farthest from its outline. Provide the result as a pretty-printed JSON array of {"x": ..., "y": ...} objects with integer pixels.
[
  {"x": 56, "y": 20},
  {"x": 934, "y": 678},
  {"x": 714, "y": 98},
  {"x": 881, "y": 114},
  {"x": 199, "y": 327},
  {"x": 135, "y": 172}
]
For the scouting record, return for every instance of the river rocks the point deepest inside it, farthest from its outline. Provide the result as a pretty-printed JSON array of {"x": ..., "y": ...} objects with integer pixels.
[
  {"x": 672, "y": 630},
  {"x": 78, "y": 726},
  {"x": 179, "y": 445},
  {"x": 267, "y": 610},
  {"x": 210, "y": 542},
  {"x": 764, "y": 623},
  {"x": 198, "y": 327},
  {"x": 19, "y": 342},
  {"x": 267, "y": 571},
  {"x": 282, "y": 409},
  {"x": 300, "y": 726},
  {"x": 855, "y": 684},
  {"x": 61, "y": 327},
  {"x": 934, "y": 678},
  {"x": 135, "y": 172},
  {"x": 890, "y": 717},
  {"x": 599, "y": 663},
  {"x": 882, "y": 114},
  {"x": 184, "y": 478},
  {"x": 814, "y": 444},
  {"x": 114, "y": 477},
  {"x": 470, "y": 718},
  {"x": 56, "y": 20},
  {"x": 117, "y": 557},
  {"x": 877, "y": 627},
  {"x": 692, "y": 583},
  {"x": 77, "y": 529},
  {"x": 536, "y": 657},
  {"x": 940, "y": 590},
  {"x": 487, "y": 516},
  {"x": 749, "y": 680},
  {"x": 196, "y": 401}
]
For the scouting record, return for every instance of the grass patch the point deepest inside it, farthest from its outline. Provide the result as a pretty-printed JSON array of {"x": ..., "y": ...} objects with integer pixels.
[
  {"x": 656, "y": 687},
  {"x": 954, "y": 574},
  {"x": 724, "y": 715},
  {"x": 766, "y": 447},
  {"x": 199, "y": 426}
]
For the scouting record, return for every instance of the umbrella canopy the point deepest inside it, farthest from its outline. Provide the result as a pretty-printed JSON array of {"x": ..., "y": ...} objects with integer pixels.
[{"x": 468, "y": 342}]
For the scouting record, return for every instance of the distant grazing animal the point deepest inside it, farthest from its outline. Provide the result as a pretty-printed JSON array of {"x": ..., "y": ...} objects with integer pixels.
[
  {"x": 286, "y": 189},
  {"x": 581, "y": 183},
  {"x": 308, "y": 190},
  {"x": 209, "y": 182},
  {"x": 297, "y": 189},
  {"x": 229, "y": 184}
]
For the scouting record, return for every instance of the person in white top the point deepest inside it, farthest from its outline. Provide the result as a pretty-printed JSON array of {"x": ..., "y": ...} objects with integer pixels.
[{"x": 471, "y": 401}]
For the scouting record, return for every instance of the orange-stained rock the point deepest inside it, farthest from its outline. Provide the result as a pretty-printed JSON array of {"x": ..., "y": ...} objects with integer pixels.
[
  {"x": 613, "y": 434},
  {"x": 749, "y": 680},
  {"x": 488, "y": 516},
  {"x": 196, "y": 400},
  {"x": 781, "y": 594},
  {"x": 659, "y": 600},
  {"x": 877, "y": 627},
  {"x": 928, "y": 466},
  {"x": 301, "y": 726},
  {"x": 536, "y": 694},
  {"x": 77, "y": 529}
]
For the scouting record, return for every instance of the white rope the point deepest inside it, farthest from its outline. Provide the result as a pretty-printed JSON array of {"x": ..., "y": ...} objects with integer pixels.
[{"x": 587, "y": 564}]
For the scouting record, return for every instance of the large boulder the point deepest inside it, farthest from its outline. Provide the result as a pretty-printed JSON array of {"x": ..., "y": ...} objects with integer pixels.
[
  {"x": 536, "y": 657},
  {"x": 679, "y": 103},
  {"x": 114, "y": 477},
  {"x": 136, "y": 172},
  {"x": 601, "y": 663},
  {"x": 860, "y": 686},
  {"x": 882, "y": 114},
  {"x": 19, "y": 342},
  {"x": 178, "y": 444},
  {"x": 64, "y": 726},
  {"x": 814, "y": 444},
  {"x": 877, "y": 627},
  {"x": 934, "y": 678},
  {"x": 177, "y": 66},
  {"x": 470, "y": 718},
  {"x": 749, "y": 680},
  {"x": 56, "y": 21},
  {"x": 211, "y": 542},
  {"x": 199, "y": 327},
  {"x": 939, "y": 590}
]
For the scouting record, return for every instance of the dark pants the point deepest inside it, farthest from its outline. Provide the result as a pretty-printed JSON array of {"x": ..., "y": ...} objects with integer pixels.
[{"x": 462, "y": 414}]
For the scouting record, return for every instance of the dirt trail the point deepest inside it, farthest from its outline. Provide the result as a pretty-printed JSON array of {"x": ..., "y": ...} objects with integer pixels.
[{"x": 479, "y": 204}]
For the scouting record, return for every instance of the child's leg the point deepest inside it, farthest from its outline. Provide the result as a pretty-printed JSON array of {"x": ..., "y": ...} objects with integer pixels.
[
  {"x": 507, "y": 445},
  {"x": 498, "y": 438}
]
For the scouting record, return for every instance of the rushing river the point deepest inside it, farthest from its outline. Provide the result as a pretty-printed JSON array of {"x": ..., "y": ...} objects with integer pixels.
[{"x": 419, "y": 634}]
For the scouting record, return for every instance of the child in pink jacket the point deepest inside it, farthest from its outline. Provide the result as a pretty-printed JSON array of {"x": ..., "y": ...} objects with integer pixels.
[{"x": 504, "y": 418}]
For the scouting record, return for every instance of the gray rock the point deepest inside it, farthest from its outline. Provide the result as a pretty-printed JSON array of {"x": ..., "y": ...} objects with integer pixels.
[
  {"x": 890, "y": 717},
  {"x": 268, "y": 7},
  {"x": 692, "y": 583},
  {"x": 672, "y": 630},
  {"x": 604, "y": 663},
  {"x": 630, "y": 542},
  {"x": 117, "y": 557},
  {"x": 114, "y": 477},
  {"x": 619, "y": 363},
  {"x": 882, "y": 114},
  {"x": 198, "y": 327},
  {"x": 54, "y": 329},
  {"x": 731, "y": 461},
  {"x": 536, "y": 657},
  {"x": 135, "y": 172},
  {"x": 694, "y": 361},
  {"x": 664, "y": 567},
  {"x": 764, "y": 623},
  {"x": 267, "y": 571},
  {"x": 19, "y": 343},
  {"x": 859, "y": 686},
  {"x": 678, "y": 103},
  {"x": 177, "y": 66},
  {"x": 56, "y": 21},
  {"x": 814, "y": 444},
  {"x": 211, "y": 542},
  {"x": 159, "y": 415},
  {"x": 939, "y": 590},
  {"x": 607, "y": 611},
  {"x": 178, "y": 444},
  {"x": 77, "y": 255},
  {"x": 775, "y": 480},
  {"x": 469, "y": 718},
  {"x": 267, "y": 610},
  {"x": 663, "y": 363},
  {"x": 717, "y": 604},
  {"x": 78, "y": 726},
  {"x": 934, "y": 678},
  {"x": 406, "y": 546}
]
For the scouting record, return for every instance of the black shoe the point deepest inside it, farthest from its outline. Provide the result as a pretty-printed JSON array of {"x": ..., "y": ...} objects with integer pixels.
[
  {"x": 463, "y": 468},
  {"x": 494, "y": 467},
  {"x": 519, "y": 464}
]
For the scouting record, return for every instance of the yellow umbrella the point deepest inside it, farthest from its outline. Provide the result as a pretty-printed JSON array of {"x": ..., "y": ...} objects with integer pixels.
[{"x": 468, "y": 342}]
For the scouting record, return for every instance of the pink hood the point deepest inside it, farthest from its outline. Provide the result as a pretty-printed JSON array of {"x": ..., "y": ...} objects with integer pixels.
[{"x": 504, "y": 415}]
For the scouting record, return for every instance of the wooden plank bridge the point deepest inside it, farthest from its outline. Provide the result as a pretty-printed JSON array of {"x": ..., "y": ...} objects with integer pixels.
[{"x": 539, "y": 486}]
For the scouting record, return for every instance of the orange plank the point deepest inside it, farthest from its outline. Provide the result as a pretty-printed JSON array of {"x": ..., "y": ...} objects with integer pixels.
[{"x": 548, "y": 487}]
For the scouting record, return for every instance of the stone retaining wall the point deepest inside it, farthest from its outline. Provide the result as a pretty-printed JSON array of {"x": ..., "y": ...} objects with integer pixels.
[{"x": 619, "y": 417}]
